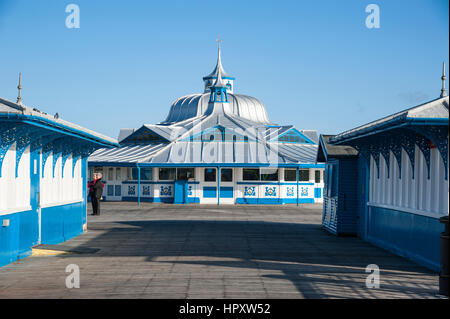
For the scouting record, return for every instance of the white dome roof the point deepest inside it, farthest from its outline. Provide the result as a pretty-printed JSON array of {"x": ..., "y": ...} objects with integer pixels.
[{"x": 194, "y": 105}]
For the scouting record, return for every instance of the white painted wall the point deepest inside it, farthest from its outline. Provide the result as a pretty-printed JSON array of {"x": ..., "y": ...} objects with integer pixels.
[
  {"x": 15, "y": 192},
  {"x": 59, "y": 190},
  {"x": 419, "y": 195}
]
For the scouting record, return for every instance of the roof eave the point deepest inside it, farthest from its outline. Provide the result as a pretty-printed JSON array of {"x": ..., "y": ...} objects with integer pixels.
[{"x": 386, "y": 126}]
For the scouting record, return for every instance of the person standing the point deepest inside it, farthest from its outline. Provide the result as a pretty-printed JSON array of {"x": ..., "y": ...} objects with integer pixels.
[{"x": 95, "y": 191}]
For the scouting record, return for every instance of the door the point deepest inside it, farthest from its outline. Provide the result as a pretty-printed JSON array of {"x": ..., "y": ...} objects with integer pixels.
[
  {"x": 208, "y": 186},
  {"x": 113, "y": 186},
  {"x": 227, "y": 186},
  {"x": 180, "y": 192},
  {"x": 35, "y": 160}
]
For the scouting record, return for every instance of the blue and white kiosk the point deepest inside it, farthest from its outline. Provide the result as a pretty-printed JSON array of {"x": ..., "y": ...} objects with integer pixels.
[
  {"x": 43, "y": 178},
  {"x": 399, "y": 178}
]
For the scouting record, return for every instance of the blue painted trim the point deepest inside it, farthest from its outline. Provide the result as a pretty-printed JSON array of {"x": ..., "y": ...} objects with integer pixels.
[
  {"x": 209, "y": 192},
  {"x": 147, "y": 182},
  {"x": 60, "y": 223},
  {"x": 274, "y": 183},
  {"x": 273, "y": 201},
  {"x": 317, "y": 192},
  {"x": 386, "y": 126},
  {"x": 154, "y": 199},
  {"x": 17, "y": 239},
  {"x": 55, "y": 126},
  {"x": 215, "y": 77},
  {"x": 428, "y": 121},
  {"x": 413, "y": 236},
  {"x": 226, "y": 192},
  {"x": 300, "y": 201}
]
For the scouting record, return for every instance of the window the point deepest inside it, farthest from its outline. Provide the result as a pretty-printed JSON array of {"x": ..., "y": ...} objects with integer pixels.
[
  {"x": 289, "y": 137},
  {"x": 269, "y": 174},
  {"x": 317, "y": 176},
  {"x": 129, "y": 174},
  {"x": 250, "y": 174},
  {"x": 111, "y": 173},
  {"x": 226, "y": 175},
  {"x": 185, "y": 173},
  {"x": 146, "y": 174},
  {"x": 167, "y": 174},
  {"x": 290, "y": 175},
  {"x": 118, "y": 173},
  {"x": 134, "y": 174},
  {"x": 210, "y": 174},
  {"x": 304, "y": 175},
  {"x": 219, "y": 134},
  {"x": 293, "y": 137}
]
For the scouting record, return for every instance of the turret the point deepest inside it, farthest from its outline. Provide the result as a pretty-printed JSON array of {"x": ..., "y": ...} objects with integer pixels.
[{"x": 213, "y": 76}]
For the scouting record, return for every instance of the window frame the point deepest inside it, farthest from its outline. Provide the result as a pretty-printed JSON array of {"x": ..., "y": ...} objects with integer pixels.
[
  {"x": 295, "y": 175},
  {"x": 301, "y": 178},
  {"x": 213, "y": 171},
  {"x": 250, "y": 169},
  {"x": 221, "y": 175},
  {"x": 169, "y": 169}
]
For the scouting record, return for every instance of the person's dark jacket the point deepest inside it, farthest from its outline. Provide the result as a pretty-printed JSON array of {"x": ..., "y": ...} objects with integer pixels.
[{"x": 97, "y": 189}]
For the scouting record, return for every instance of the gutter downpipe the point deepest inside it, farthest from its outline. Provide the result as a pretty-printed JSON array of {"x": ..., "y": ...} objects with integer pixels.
[
  {"x": 298, "y": 173},
  {"x": 139, "y": 185},
  {"x": 218, "y": 185}
]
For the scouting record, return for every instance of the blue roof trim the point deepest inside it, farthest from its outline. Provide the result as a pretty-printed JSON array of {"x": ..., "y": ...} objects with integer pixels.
[
  {"x": 215, "y": 77},
  {"x": 386, "y": 126},
  {"x": 58, "y": 127}
]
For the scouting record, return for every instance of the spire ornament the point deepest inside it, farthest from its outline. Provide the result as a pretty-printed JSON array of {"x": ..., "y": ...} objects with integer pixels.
[
  {"x": 19, "y": 87},
  {"x": 443, "y": 78}
]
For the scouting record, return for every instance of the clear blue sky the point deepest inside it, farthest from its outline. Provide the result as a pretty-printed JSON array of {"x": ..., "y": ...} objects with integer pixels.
[{"x": 314, "y": 64}]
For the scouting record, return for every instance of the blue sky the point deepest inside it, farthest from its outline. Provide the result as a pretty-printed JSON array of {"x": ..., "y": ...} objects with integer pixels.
[{"x": 314, "y": 64}]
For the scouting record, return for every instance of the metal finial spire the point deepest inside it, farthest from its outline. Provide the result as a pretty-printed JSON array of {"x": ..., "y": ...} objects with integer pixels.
[
  {"x": 219, "y": 81},
  {"x": 218, "y": 41},
  {"x": 19, "y": 87},
  {"x": 219, "y": 59},
  {"x": 443, "y": 78}
]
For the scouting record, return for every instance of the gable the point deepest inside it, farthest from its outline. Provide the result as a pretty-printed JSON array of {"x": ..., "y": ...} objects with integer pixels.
[
  {"x": 144, "y": 135},
  {"x": 293, "y": 136}
]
